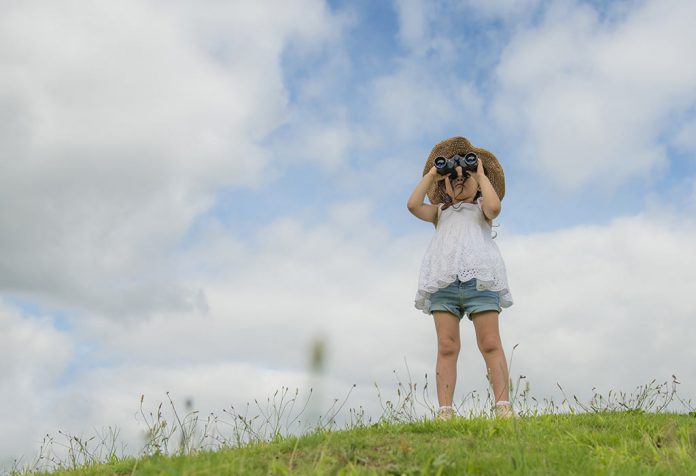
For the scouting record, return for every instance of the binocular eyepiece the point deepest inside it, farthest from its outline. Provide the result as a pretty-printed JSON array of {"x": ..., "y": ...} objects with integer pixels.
[{"x": 444, "y": 166}]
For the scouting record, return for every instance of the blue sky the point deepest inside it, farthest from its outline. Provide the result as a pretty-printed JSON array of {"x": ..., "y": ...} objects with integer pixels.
[
  {"x": 193, "y": 194},
  {"x": 371, "y": 49}
]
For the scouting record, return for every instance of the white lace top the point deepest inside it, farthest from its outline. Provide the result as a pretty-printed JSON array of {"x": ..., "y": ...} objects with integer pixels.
[{"x": 463, "y": 248}]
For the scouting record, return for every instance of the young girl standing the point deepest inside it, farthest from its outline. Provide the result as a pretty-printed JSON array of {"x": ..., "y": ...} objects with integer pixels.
[{"x": 463, "y": 272}]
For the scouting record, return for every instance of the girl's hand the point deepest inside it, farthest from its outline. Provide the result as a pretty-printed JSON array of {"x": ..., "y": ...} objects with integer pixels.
[
  {"x": 479, "y": 171},
  {"x": 433, "y": 173}
]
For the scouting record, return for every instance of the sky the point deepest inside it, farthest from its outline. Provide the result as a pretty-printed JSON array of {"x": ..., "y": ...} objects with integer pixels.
[{"x": 192, "y": 193}]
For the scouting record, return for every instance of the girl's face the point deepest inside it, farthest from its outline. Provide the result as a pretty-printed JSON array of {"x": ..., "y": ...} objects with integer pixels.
[{"x": 464, "y": 186}]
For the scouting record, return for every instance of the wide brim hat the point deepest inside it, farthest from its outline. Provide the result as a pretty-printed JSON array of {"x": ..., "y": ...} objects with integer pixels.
[{"x": 461, "y": 146}]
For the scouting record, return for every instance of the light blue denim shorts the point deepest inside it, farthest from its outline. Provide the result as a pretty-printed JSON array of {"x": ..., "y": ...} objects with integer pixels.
[{"x": 463, "y": 299}]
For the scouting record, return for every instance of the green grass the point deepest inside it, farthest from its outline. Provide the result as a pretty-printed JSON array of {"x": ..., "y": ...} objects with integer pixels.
[
  {"x": 617, "y": 433},
  {"x": 614, "y": 443}
]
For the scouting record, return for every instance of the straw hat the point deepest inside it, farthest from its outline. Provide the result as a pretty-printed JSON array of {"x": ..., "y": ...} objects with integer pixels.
[{"x": 461, "y": 146}]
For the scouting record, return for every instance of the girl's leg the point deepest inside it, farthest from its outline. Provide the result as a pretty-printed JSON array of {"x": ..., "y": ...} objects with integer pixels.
[
  {"x": 488, "y": 340},
  {"x": 448, "y": 345}
]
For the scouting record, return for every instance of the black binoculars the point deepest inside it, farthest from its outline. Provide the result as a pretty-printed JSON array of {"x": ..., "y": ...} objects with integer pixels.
[{"x": 444, "y": 166}]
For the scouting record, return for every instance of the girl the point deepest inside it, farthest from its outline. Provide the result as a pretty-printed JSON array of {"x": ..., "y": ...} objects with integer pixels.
[{"x": 462, "y": 272}]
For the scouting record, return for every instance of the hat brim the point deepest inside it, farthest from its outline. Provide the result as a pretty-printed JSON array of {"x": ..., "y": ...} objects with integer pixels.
[{"x": 461, "y": 146}]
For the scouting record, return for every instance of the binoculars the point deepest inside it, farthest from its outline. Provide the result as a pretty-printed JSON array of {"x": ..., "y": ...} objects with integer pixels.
[{"x": 444, "y": 166}]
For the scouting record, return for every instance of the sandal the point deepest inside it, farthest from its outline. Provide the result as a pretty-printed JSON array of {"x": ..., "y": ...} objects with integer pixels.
[
  {"x": 445, "y": 413},
  {"x": 503, "y": 409}
]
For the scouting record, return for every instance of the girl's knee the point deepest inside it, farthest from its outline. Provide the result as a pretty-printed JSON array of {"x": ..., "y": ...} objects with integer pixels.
[
  {"x": 490, "y": 344},
  {"x": 448, "y": 346}
]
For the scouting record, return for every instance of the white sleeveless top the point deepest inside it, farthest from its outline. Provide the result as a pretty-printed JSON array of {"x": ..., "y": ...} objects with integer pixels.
[{"x": 463, "y": 248}]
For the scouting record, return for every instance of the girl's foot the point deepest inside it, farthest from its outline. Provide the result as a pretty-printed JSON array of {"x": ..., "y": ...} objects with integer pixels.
[
  {"x": 445, "y": 413},
  {"x": 504, "y": 410}
]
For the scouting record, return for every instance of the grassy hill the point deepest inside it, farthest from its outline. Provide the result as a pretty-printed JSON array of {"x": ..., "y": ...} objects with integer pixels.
[
  {"x": 618, "y": 433},
  {"x": 616, "y": 443}
]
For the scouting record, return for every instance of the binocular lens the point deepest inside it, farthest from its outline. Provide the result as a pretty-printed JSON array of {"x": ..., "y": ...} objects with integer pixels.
[{"x": 471, "y": 159}]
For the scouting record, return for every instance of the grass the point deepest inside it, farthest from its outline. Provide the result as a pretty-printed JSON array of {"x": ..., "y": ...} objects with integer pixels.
[
  {"x": 596, "y": 443},
  {"x": 617, "y": 433}
]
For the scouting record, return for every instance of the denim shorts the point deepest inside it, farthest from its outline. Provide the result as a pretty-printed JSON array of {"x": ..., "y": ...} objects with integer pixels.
[{"x": 463, "y": 299}]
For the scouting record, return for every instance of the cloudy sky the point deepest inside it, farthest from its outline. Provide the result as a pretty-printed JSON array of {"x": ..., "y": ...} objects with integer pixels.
[{"x": 194, "y": 192}]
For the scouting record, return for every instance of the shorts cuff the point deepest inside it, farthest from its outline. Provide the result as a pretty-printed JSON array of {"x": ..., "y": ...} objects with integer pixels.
[
  {"x": 484, "y": 308},
  {"x": 446, "y": 308}
]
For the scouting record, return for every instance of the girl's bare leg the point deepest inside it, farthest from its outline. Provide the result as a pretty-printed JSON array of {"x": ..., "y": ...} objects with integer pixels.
[
  {"x": 488, "y": 340},
  {"x": 448, "y": 345}
]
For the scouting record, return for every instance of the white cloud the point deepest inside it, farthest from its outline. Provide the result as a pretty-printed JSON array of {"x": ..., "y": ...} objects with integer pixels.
[
  {"x": 119, "y": 122},
  {"x": 586, "y": 95},
  {"x": 34, "y": 356},
  {"x": 413, "y": 22},
  {"x": 610, "y": 304},
  {"x": 323, "y": 143},
  {"x": 602, "y": 306},
  {"x": 444, "y": 26},
  {"x": 505, "y": 9},
  {"x": 414, "y": 101},
  {"x": 685, "y": 137}
]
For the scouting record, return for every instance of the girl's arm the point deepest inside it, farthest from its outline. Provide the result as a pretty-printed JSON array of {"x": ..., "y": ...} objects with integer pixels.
[
  {"x": 416, "y": 205},
  {"x": 490, "y": 203}
]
